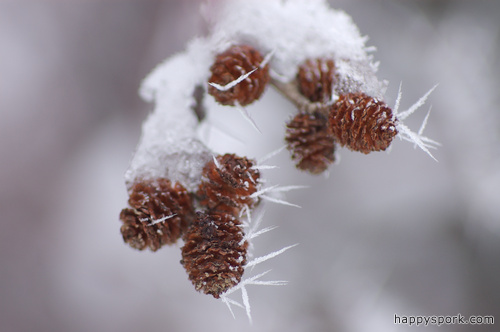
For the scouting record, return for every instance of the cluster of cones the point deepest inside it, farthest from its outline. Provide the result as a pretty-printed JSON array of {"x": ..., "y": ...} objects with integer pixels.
[
  {"x": 208, "y": 220},
  {"x": 215, "y": 248},
  {"x": 348, "y": 118}
]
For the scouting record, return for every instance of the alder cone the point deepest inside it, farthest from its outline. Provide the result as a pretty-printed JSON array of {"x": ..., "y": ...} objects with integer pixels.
[
  {"x": 227, "y": 184},
  {"x": 232, "y": 64},
  {"x": 310, "y": 142},
  {"x": 160, "y": 213},
  {"x": 214, "y": 252},
  {"x": 316, "y": 79},
  {"x": 362, "y": 123}
]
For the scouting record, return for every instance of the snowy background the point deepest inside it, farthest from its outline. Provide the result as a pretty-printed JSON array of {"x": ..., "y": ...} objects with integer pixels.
[{"x": 384, "y": 234}]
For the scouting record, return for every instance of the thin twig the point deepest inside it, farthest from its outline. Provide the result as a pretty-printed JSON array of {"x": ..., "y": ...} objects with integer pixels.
[{"x": 291, "y": 92}]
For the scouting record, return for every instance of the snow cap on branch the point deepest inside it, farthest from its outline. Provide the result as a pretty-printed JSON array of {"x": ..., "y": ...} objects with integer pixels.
[
  {"x": 296, "y": 30},
  {"x": 169, "y": 146}
]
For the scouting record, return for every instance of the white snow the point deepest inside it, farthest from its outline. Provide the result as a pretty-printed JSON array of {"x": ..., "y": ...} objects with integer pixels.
[
  {"x": 296, "y": 30},
  {"x": 169, "y": 146}
]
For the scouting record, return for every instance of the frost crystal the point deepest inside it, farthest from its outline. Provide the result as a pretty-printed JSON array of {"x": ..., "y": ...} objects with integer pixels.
[{"x": 252, "y": 231}]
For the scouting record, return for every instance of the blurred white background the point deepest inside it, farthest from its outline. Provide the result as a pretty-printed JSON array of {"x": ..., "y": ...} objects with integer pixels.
[{"x": 384, "y": 234}]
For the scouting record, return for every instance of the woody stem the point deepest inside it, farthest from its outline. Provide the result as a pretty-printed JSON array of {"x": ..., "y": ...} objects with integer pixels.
[{"x": 291, "y": 92}]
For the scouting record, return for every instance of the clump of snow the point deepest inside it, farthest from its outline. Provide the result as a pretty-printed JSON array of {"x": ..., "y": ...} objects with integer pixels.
[
  {"x": 169, "y": 146},
  {"x": 169, "y": 153},
  {"x": 178, "y": 75}
]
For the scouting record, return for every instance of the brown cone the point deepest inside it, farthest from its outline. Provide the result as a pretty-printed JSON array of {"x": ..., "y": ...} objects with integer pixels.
[
  {"x": 362, "y": 123},
  {"x": 160, "y": 213},
  {"x": 316, "y": 78},
  {"x": 310, "y": 141},
  {"x": 214, "y": 252},
  {"x": 229, "y": 66},
  {"x": 227, "y": 185}
]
